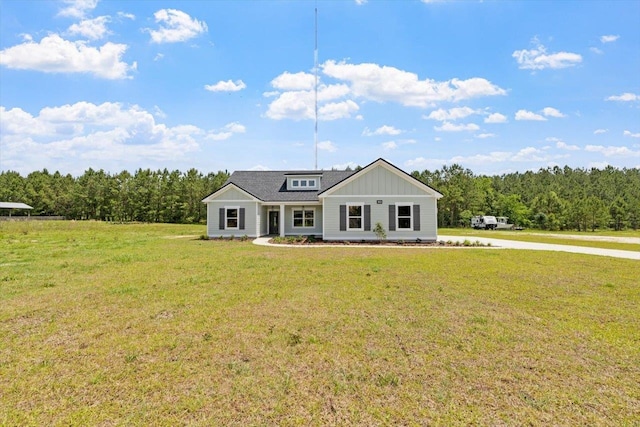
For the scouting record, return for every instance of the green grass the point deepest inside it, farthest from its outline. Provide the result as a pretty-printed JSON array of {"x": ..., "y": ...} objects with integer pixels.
[
  {"x": 550, "y": 237},
  {"x": 137, "y": 324}
]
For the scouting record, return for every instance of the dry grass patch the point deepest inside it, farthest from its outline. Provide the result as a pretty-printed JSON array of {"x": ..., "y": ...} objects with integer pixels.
[{"x": 117, "y": 325}]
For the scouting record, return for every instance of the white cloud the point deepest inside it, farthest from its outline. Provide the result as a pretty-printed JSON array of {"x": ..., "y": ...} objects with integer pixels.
[
  {"x": 632, "y": 135},
  {"x": 450, "y": 127},
  {"x": 485, "y": 135},
  {"x": 361, "y": 2},
  {"x": 564, "y": 146},
  {"x": 496, "y": 118},
  {"x": 93, "y": 29},
  {"x": 538, "y": 59},
  {"x": 228, "y": 86},
  {"x": 390, "y": 145},
  {"x": 612, "y": 151},
  {"x": 226, "y": 132},
  {"x": 599, "y": 131},
  {"x": 105, "y": 132},
  {"x": 451, "y": 114},
  {"x": 527, "y": 154},
  {"x": 125, "y": 15},
  {"x": 625, "y": 97},
  {"x": 596, "y": 50},
  {"x": 382, "y": 130},
  {"x": 300, "y": 104},
  {"x": 158, "y": 112},
  {"x": 294, "y": 81},
  {"x": 77, "y": 8},
  {"x": 327, "y": 146},
  {"x": 528, "y": 115},
  {"x": 158, "y": 57},
  {"x": 53, "y": 54},
  {"x": 384, "y": 83},
  {"x": 330, "y": 92},
  {"x": 609, "y": 38},
  {"x": 175, "y": 26},
  {"x": 295, "y": 105},
  {"x": 337, "y": 110},
  {"x": 552, "y": 112}
]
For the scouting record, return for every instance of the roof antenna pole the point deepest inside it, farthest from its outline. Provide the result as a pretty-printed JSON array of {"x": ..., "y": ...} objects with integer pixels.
[{"x": 315, "y": 69}]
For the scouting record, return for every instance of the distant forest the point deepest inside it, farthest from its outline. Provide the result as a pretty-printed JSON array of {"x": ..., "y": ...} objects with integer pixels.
[{"x": 551, "y": 199}]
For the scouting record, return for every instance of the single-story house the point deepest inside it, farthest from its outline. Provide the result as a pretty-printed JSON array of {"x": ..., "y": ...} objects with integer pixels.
[{"x": 333, "y": 205}]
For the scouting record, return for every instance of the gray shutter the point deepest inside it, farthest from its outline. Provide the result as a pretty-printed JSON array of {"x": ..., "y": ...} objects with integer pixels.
[
  {"x": 416, "y": 217},
  {"x": 241, "y": 219},
  {"x": 392, "y": 217},
  {"x": 367, "y": 217},
  {"x": 343, "y": 217},
  {"x": 221, "y": 223}
]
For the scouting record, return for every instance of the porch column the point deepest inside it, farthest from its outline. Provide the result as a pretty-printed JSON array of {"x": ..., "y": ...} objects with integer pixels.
[{"x": 281, "y": 217}]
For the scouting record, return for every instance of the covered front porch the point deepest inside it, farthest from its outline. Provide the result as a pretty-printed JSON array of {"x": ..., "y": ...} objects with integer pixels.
[{"x": 288, "y": 219}]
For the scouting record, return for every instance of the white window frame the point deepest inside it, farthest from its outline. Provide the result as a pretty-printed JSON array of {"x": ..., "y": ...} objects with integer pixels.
[
  {"x": 226, "y": 217},
  {"x": 303, "y": 184},
  {"x": 361, "y": 216},
  {"x": 293, "y": 217},
  {"x": 398, "y": 206}
]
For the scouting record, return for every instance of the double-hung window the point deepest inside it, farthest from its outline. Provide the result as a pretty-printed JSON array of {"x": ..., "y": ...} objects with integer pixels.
[
  {"x": 304, "y": 218},
  {"x": 232, "y": 215},
  {"x": 403, "y": 217},
  {"x": 355, "y": 217}
]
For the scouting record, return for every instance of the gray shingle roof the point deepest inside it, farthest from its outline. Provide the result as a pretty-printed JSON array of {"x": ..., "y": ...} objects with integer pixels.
[{"x": 271, "y": 186}]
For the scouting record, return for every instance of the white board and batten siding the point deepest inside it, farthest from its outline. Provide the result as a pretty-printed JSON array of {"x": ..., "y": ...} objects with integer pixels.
[{"x": 380, "y": 189}]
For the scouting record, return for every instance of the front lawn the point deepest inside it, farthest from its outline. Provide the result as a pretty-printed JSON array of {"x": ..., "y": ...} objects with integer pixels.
[{"x": 139, "y": 324}]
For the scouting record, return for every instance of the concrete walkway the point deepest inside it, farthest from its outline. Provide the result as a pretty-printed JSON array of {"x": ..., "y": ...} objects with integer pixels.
[{"x": 495, "y": 244}]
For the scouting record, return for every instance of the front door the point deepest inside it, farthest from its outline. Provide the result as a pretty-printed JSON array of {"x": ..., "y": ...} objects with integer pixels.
[{"x": 274, "y": 222}]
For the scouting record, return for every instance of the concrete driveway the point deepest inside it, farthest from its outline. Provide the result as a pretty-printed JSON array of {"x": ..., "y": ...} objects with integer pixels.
[
  {"x": 495, "y": 244},
  {"x": 513, "y": 244}
]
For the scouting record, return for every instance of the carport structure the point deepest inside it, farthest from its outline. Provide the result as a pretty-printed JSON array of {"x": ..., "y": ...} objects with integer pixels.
[{"x": 12, "y": 206}]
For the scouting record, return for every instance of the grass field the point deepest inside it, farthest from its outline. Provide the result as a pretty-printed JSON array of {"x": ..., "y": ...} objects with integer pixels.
[{"x": 104, "y": 324}]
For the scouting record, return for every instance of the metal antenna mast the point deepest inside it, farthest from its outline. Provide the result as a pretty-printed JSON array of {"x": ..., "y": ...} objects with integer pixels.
[{"x": 315, "y": 70}]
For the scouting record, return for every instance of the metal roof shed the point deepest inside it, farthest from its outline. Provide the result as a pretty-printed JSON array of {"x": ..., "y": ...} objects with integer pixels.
[{"x": 11, "y": 206}]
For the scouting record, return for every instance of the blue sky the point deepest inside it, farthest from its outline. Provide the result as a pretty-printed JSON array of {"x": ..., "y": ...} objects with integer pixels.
[{"x": 496, "y": 86}]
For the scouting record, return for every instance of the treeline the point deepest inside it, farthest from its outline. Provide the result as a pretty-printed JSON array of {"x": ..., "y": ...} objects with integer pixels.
[
  {"x": 146, "y": 196},
  {"x": 551, "y": 199}
]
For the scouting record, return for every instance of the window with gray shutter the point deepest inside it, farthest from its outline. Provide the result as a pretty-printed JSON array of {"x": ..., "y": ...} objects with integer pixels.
[
  {"x": 221, "y": 222},
  {"x": 367, "y": 217},
  {"x": 392, "y": 217},
  {"x": 416, "y": 217},
  {"x": 343, "y": 217},
  {"x": 241, "y": 218}
]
